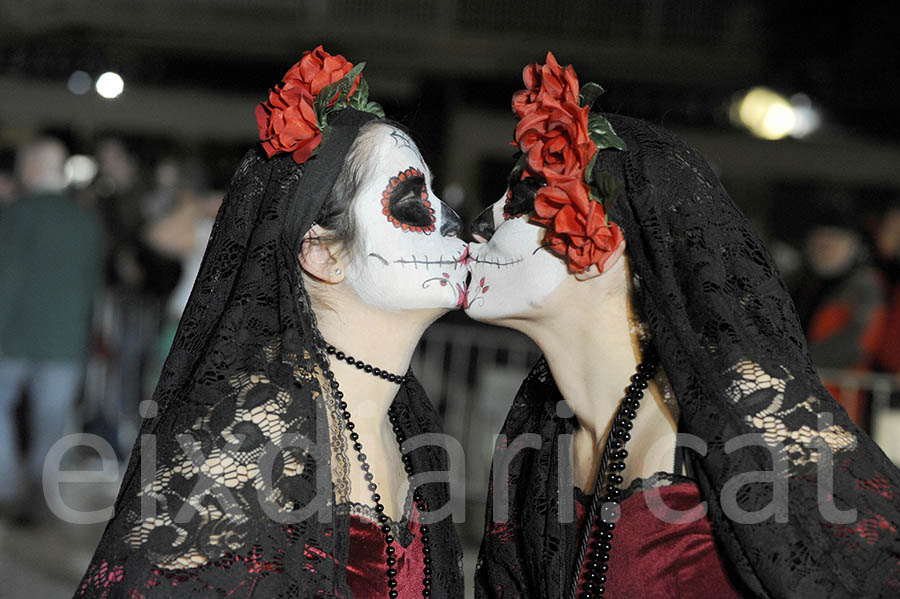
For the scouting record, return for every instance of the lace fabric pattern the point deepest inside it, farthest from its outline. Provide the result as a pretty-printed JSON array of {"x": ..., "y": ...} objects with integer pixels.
[
  {"x": 243, "y": 435},
  {"x": 730, "y": 342}
]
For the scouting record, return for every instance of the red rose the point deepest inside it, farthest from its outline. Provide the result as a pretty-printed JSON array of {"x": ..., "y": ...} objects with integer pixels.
[
  {"x": 548, "y": 81},
  {"x": 553, "y": 134},
  {"x": 555, "y": 138},
  {"x": 576, "y": 225},
  {"x": 287, "y": 120}
]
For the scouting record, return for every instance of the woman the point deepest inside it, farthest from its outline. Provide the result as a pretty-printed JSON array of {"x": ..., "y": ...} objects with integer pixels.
[
  {"x": 270, "y": 464},
  {"x": 737, "y": 475}
]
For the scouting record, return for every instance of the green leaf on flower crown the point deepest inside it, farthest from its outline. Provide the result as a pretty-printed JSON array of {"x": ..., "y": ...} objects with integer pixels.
[
  {"x": 602, "y": 133},
  {"x": 375, "y": 108},
  {"x": 341, "y": 89},
  {"x": 605, "y": 188},
  {"x": 590, "y": 91},
  {"x": 359, "y": 99}
]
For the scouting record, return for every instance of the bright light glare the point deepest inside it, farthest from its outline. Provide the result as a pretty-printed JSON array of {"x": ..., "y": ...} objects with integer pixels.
[
  {"x": 807, "y": 117},
  {"x": 110, "y": 85},
  {"x": 79, "y": 83},
  {"x": 766, "y": 113},
  {"x": 80, "y": 170}
]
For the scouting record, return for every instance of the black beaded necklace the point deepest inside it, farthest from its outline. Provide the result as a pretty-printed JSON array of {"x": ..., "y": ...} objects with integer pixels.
[
  {"x": 419, "y": 499},
  {"x": 604, "y": 510}
]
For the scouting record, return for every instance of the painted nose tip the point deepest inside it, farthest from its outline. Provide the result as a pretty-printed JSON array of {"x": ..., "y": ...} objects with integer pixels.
[
  {"x": 451, "y": 224},
  {"x": 483, "y": 225}
]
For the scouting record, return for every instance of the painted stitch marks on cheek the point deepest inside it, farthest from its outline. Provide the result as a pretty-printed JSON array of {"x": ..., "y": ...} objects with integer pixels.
[{"x": 405, "y": 202}]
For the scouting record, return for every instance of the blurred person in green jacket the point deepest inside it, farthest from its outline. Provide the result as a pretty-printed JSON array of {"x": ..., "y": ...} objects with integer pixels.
[{"x": 50, "y": 264}]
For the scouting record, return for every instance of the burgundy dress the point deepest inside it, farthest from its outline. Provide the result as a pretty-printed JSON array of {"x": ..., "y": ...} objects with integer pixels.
[
  {"x": 366, "y": 566},
  {"x": 654, "y": 559}
]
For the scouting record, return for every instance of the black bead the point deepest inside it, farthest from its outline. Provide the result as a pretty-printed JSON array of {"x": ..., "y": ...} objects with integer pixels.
[
  {"x": 343, "y": 405},
  {"x": 376, "y": 371},
  {"x": 389, "y": 538},
  {"x": 328, "y": 374},
  {"x": 389, "y": 550},
  {"x": 365, "y": 467},
  {"x": 340, "y": 355},
  {"x": 384, "y": 374},
  {"x": 425, "y": 539},
  {"x": 423, "y": 529},
  {"x": 393, "y": 594},
  {"x": 426, "y": 592},
  {"x": 372, "y": 487},
  {"x": 392, "y": 583},
  {"x": 362, "y": 457},
  {"x": 354, "y": 436},
  {"x": 427, "y": 572},
  {"x": 426, "y": 550},
  {"x": 391, "y": 561},
  {"x": 392, "y": 378},
  {"x": 392, "y": 572},
  {"x": 382, "y": 518},
  {"x": 426, "y": 560},
  {"x": 368, "y": 368},
  {"x": 357, "y": 446},
  {"x": 350, "y": 360},
  {"x": 379, "y": 508},
  {"x": 375, "y": 496},
  {"x": 386, "y": 529},
  {"x": 329, "y": 349}
]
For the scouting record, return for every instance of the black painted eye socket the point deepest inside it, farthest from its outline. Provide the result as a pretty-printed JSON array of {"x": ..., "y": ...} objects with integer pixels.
[
  {"x": 520, "y": 197},
  {"x": 405, "y": 202}
]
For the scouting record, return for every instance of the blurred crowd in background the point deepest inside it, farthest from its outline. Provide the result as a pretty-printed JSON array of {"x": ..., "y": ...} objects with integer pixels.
[{"x": 93, "y": 279}]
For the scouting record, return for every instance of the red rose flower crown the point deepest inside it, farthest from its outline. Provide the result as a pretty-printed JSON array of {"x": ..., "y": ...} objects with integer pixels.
[
  {"x": 295, "y": 116},
  {"x": 559, "y": 139}
]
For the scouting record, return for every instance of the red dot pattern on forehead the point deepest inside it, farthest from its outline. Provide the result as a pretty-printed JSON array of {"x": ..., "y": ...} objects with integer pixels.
[{"x": 394, "y": 183}]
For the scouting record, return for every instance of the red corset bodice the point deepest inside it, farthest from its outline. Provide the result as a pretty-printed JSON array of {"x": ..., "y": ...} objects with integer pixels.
[
  {"x": 654, "y": 559},
  {"x": 367, "y": 568}
]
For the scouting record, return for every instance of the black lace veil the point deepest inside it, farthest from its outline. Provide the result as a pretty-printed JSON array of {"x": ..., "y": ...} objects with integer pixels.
[
  {"x": 238, "y": 482},
  {"x": 729, "y": 340}
]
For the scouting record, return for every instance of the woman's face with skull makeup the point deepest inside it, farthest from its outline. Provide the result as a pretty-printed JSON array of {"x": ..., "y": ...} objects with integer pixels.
[
  {"x": 512, "y": 271},
  {"x": 407, "y": 254}
]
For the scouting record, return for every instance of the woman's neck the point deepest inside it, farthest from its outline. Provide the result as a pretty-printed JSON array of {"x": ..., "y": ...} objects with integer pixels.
[
  {"x": 385, "y": 340},
  {"x": 592, "y": 352}
]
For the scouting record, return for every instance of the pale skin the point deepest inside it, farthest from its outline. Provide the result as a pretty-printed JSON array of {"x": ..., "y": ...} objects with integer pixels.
[
  {"x": 380, "y": 337},
  {"x": 585, "y": 329}
]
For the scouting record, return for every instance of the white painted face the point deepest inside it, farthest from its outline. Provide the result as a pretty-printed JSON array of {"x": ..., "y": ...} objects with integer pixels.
[
  {"x": 512, "y": 272},
  {"x": 407, "y": 255}
]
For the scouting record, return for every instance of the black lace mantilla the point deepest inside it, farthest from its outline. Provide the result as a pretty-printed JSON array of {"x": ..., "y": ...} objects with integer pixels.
[
  {"x": 207, "y": 508},
  {"x": 729, "y": 341}
]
